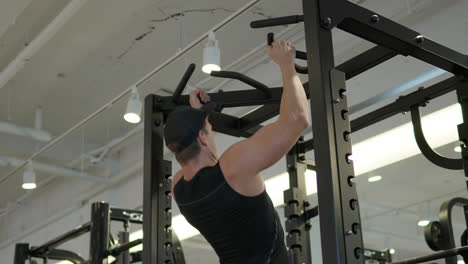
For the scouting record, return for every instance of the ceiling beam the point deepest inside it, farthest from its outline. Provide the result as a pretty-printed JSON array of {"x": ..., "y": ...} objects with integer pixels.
[
  {"x": 46, "y": 34},
  {"x": 36, "y": 134},
  {"x": 52, "y": 169}
]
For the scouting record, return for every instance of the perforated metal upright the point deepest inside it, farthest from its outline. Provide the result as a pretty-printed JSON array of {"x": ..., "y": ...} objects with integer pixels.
[
  {"x": 338, "y": 203},
  {"x": 339, "y": 211},
  {"x": 296, "y": 204},
  {"x": 157, "y": 201}
]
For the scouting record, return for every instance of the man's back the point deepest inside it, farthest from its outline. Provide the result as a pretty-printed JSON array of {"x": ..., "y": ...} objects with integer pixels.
[
  {"x": 241, "y": 229},
  {"x": 227, "y": 202}
]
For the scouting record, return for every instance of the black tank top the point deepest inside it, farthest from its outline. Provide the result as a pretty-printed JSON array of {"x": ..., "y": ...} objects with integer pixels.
[{"x": 241, "y": 229}]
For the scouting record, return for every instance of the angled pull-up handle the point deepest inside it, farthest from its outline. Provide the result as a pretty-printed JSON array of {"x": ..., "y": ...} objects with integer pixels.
[
  {"x": 183, "y": 82},
  {"x": 245, "y": 79},
  {"x": 299, "y": 54},
  {"x": 311, "y": 213},
  {"x": 61, "y": 254},
  {"x": 277, "y": 21},
  {"x": 123, "y": 247},
  {"x": 426, "y": 150}
]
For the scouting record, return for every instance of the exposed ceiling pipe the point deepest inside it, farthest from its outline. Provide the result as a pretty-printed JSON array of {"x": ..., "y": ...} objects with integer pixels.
[
  {"x": 53, "y": 169},
  {"x": 13, "y": 21},
  {"x": 46, "y": 34},
  {"x": 74, "y": 206},
  {"x": 36, "y": 134},
  {"x": 99, "y": 154},
  {"x": 126, "y": 91}
]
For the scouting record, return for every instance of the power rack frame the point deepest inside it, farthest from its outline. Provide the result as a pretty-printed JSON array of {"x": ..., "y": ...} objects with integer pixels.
[
  {"x": 337, "y": 198},
  {"x": 98, "y": 227}
]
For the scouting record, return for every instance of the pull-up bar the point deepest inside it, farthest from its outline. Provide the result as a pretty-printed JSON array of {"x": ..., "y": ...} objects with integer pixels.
[
  {"x": 299, "y": 54},
  {"x": 78, "y": 231},
  {"x": 124, "y": 247},
  {"x": 426, "y": 150},
  {"x": 183, "y": 83},
  {"x": 61, "y": 254},
  {"x": 435, "y": 256},
  {"x": 243, "y": 78},
  {"x": 277, "y": 21}
]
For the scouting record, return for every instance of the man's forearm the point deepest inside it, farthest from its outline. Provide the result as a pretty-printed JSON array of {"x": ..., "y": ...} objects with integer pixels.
[{"x": 294, "y": 106}]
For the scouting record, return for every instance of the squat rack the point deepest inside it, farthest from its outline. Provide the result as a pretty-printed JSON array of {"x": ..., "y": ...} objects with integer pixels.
[{"x": 337, "y": 197}]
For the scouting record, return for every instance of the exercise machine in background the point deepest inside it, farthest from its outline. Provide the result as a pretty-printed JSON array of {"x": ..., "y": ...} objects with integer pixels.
[{"x": 102, "y": 244}]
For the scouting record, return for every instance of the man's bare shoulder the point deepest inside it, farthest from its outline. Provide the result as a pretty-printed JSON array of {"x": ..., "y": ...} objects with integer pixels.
[{"x": 176, "y": 178}]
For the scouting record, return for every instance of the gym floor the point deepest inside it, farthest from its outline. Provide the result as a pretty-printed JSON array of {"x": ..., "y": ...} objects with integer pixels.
[{"x": 66, "y": 72}]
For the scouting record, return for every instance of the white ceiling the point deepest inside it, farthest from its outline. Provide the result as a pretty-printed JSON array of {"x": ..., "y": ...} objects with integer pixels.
[{"x": 110, "y": 44}]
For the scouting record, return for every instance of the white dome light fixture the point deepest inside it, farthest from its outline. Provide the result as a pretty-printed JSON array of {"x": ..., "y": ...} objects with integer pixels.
[
  {"x": 134, "y": 105},
  {"x": 29, "y": 177},
  {"x": 375, "y": 178},
  {"x": 211, "y": 55},
  {"x": 423, "y": 223},
  {"x": 392, "y": 251}
]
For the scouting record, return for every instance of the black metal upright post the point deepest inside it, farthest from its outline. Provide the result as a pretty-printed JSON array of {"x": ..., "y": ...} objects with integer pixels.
[
  {"x": 295, "y": 199},
  {"x": 124, "y": 257},
  {"x": 157, "y": 200},
  {"x": 339, "y": 213},
  {"x": 462, "y": 94},
  {"x": 99, "y": 233},
  {"x": 21, "y": 253}
]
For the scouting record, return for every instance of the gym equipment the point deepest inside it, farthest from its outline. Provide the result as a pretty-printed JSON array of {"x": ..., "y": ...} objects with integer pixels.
[
  {"x": 245, "y": 79},
  {"x": 439, "y": 234},
  {"x": 435, "y": 237},
  {"x": 426, "y": 150},
  {"x": 183, "y": 82},
  {"x": 299, "y": 54},
  {"x": 98, "y": 227},
  {"x": 380, "y": 257},
  {"x": 439, "y": 255},
  {"x": 337, "y": 197}
]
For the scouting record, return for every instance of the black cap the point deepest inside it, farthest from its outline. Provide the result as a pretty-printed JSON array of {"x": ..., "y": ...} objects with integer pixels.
[{"x": 184, "y": 123}]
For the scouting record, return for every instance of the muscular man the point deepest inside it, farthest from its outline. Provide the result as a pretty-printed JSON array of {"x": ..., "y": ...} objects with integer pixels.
[{"x": 225, "y": 197}]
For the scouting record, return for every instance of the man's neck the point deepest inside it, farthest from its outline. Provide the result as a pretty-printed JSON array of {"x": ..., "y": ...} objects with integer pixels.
[{"x": 192, "y": 167}]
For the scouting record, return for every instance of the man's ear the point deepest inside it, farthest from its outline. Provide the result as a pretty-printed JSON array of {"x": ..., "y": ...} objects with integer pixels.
[{"x": 202, "y": 138}]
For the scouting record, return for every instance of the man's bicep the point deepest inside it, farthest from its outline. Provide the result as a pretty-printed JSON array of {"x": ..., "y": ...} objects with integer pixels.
[{"x": 262, "y": 150}]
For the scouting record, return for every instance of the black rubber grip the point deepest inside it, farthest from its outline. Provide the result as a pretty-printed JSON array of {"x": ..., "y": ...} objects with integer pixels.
[
  {"x": 270, "y": 38},
  {"x": 183, "y": 82},
  {"x": 277, "y": 21}
]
